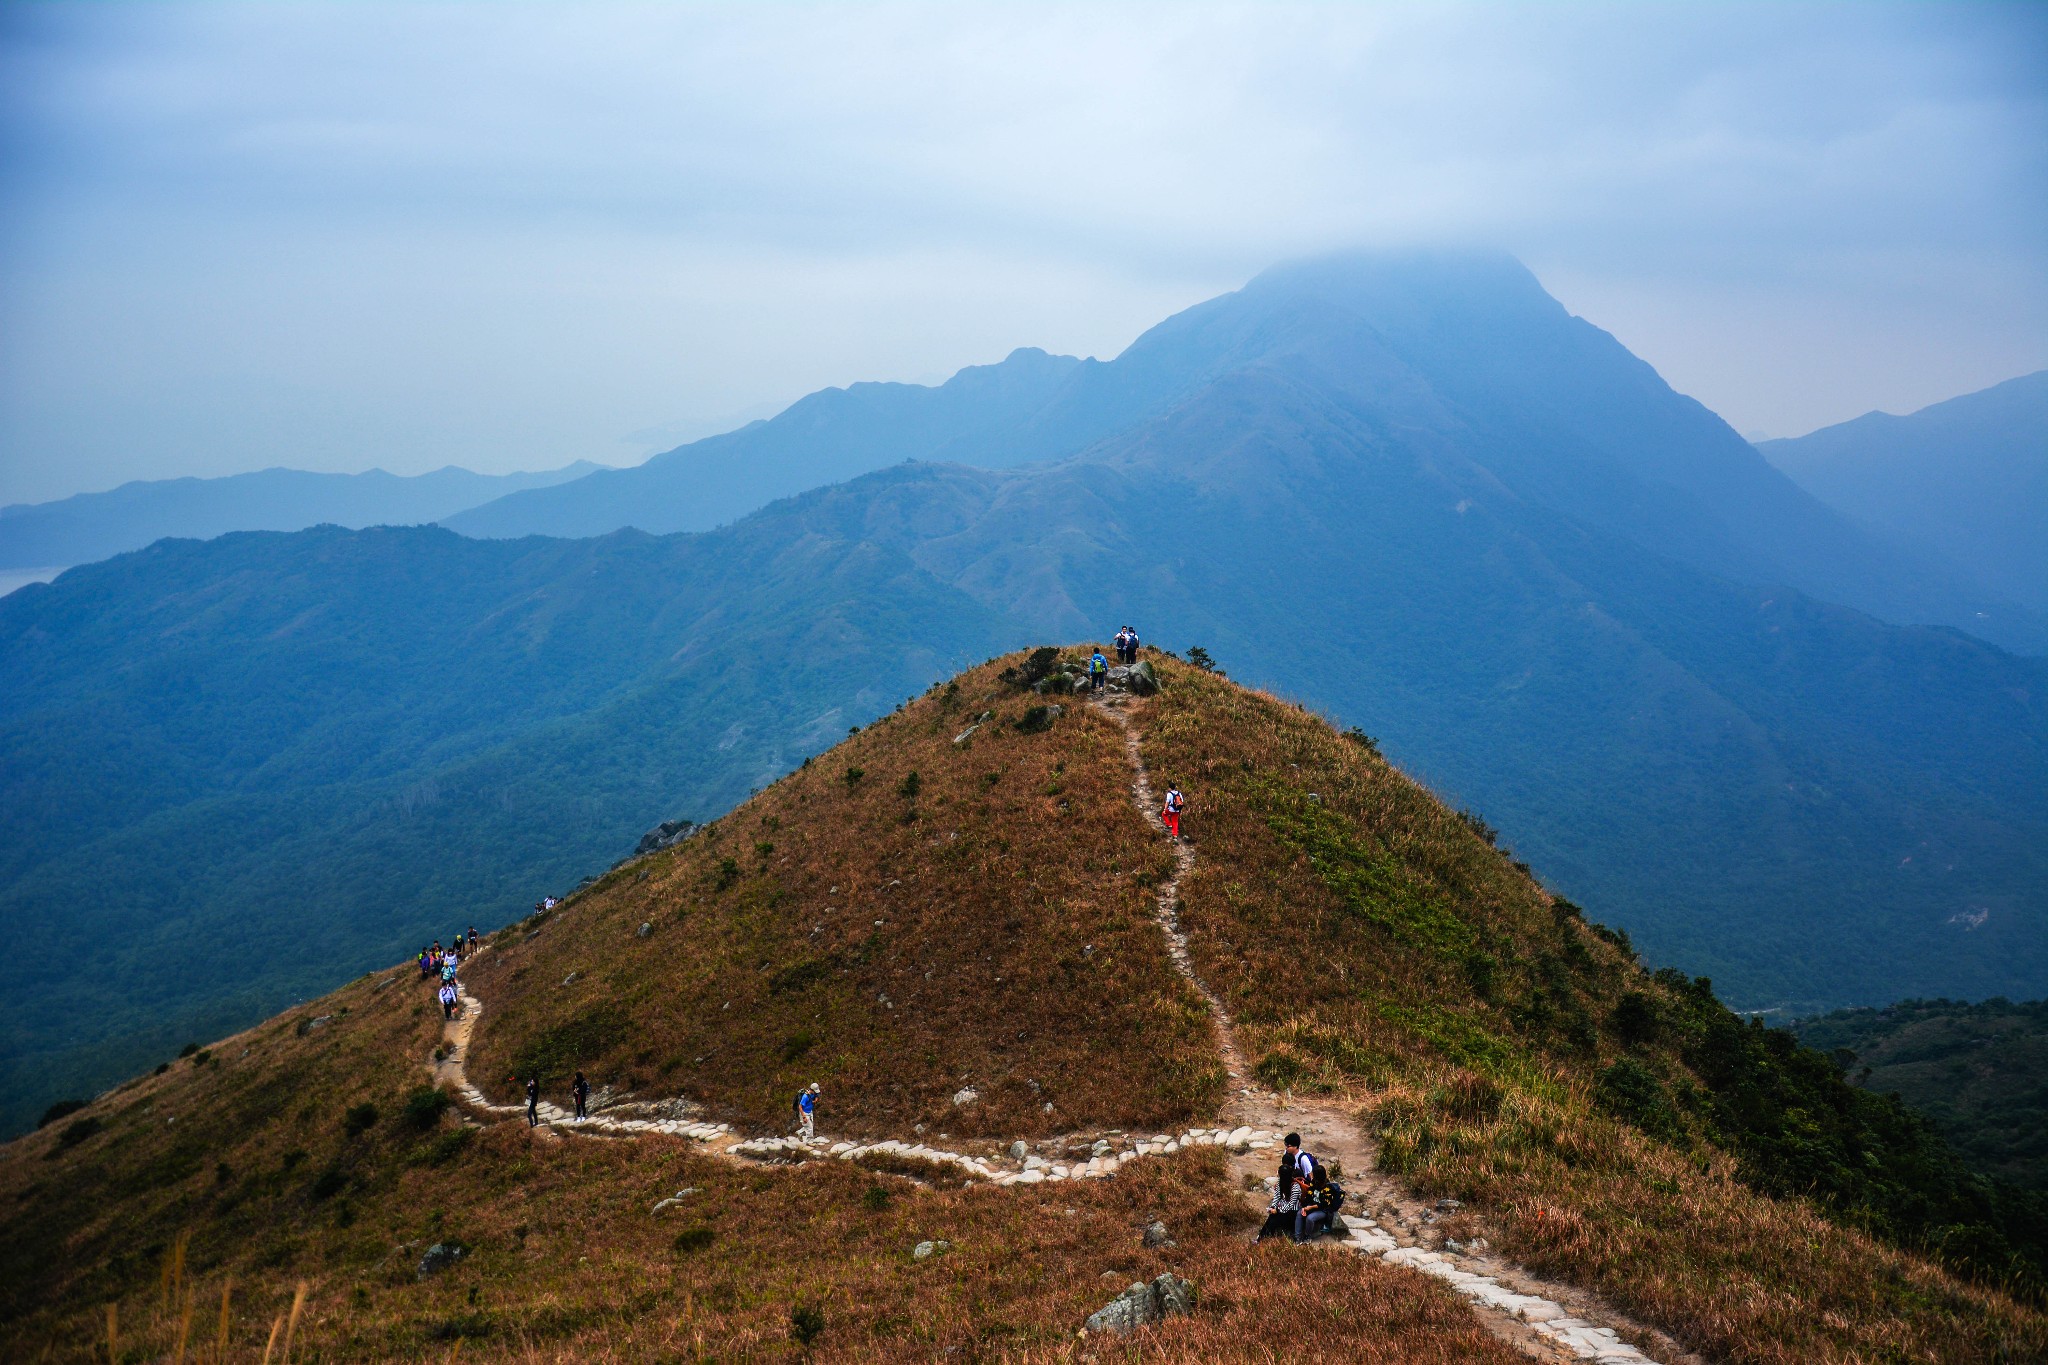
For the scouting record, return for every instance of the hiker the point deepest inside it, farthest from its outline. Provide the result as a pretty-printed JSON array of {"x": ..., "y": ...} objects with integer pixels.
[
  {"x": 1098, "y": 669},
  {"x": 806, "y": 1106},
  {"x": 448, "y": 973},
  {"x": 447, "y": 994},
  {"x": 472, "y": 940},
  {"x": 426, "y": 965},
  {"x": 1301, "y": 1168},
  {"x": 1127, "y": 645},
  {"x": 1175, "y": 804},
  {"x": 1320, "y": 1201},
  {"x": 580, "y": 1088},
  {"x": 533, "y": 1101},
  {"x": 1285, "y": 1205}
]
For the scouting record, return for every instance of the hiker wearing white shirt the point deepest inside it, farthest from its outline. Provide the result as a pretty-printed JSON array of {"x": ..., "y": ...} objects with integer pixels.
[{"x": 1175, "y": 804}]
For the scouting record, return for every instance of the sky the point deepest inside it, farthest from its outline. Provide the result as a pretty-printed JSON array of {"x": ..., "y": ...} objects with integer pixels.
[{"x": 509, "y": 236}]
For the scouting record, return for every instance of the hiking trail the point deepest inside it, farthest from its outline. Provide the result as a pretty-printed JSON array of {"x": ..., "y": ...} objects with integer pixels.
[{"x": 1545, "y": 1319}]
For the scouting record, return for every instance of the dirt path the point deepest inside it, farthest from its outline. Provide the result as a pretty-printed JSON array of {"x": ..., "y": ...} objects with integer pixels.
[{"x": 1544, "y": 1318}]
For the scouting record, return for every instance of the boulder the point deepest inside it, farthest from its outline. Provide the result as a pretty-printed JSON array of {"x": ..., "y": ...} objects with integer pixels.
[
  {"x": 925, "y": 1250},
  {"x": 1143, "y": 681},
  {"x": 667, "y": 834},
  {"x": 1019, "y": 1150},
  {"x": 645, "y": 929},
  {"x": 1156, "y": 1235},
  {"x": 965, "y": 1095},
  {"x": 1143, "y": 1304},
  {"x": 440, "y": 1256}
]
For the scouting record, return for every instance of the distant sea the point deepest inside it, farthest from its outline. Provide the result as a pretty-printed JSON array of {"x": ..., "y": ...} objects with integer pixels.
[{"x": 10, "y": 579}]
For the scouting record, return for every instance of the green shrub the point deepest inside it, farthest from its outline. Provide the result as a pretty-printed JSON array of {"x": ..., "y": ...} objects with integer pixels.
[
  {"x": 59, "y": 1110},
  {"x": 1363, "y": 740},
  {"x": 1632, "y": 1093},
  {"x": 797, "y": 1044},
  {"x": 909, "y": 786},
  {"x": 691, "y": 1240},
  {"x": 329, "y": 1183},
  {"x": 359, "y": 1119},
  {"x": 78, "y": 1131},
  {"x": 1634, "y": 1020},
  {"x": 1035, "y": 720},
  {"x": 806, "y": 1325},
  {"x": 874, "y": 1199},
  {"x": 424, "y": 1107}
]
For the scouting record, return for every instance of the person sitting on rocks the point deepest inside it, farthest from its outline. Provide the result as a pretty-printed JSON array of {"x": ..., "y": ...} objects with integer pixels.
[
  {"x": 1321, "y": 1198},
  {"x": 1285, "y": 1205}
]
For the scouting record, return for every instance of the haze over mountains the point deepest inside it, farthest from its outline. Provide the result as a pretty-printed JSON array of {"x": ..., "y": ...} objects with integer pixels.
[
  {"x": 93, "y": 526},
  {"x": 1965, "y": 480},
  {"x": 1412, "y": 492}
]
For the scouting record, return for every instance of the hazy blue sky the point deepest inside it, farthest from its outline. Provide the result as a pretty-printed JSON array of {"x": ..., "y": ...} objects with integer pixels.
[{"x": 509, "y": 236}]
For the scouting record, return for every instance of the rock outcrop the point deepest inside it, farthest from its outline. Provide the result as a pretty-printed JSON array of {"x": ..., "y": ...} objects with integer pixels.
[{"x": 1143, "y": 1304}]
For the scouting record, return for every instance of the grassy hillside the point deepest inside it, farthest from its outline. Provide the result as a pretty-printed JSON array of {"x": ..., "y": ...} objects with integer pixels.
[
  {"x": 903, "y": 918},
  {"x": 1978, "y": 1071},
  {"x": 1620, "y": 1130}
]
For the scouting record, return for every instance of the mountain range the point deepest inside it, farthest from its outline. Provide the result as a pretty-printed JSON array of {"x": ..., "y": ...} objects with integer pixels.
[
  {"x": 1965, "y": 481},
  {"x": 95, "y": 526},
  {"x": 1412, "y": 492}
]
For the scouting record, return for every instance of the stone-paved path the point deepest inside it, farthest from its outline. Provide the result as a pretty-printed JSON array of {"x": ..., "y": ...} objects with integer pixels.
[{"x": 1546, "y": 1320}]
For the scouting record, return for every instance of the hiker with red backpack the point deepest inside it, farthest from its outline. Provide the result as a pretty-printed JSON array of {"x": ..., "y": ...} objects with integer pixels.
[{"x": 1170, "y": 813}]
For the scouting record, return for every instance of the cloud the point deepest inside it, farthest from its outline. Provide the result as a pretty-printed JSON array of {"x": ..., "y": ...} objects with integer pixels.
[{"x": 507, "y": 235}]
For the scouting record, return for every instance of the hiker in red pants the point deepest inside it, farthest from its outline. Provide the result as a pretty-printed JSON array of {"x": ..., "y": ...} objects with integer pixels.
[{"x": 1175, "y": 804}]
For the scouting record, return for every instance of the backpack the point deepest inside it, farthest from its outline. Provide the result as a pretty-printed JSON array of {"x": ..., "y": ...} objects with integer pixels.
[{"x": 1330, "y": 1197}]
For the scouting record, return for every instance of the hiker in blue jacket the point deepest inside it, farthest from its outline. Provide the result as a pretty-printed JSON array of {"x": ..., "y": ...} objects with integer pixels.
[
  {"x": 1098, "y": 669},
  {"x": 807, "y": 1111}
]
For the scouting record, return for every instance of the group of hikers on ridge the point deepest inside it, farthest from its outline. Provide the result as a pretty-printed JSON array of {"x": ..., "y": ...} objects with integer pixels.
[
  {"x": 1305, "y": 1198},
  {"x": 1126, "y": 646},
  {"x": 443, "y": 962}
]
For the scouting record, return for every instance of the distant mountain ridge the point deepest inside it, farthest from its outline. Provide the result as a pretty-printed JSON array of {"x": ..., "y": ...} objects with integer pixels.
[
  {"x": 1341, "y": 480},
  {"x": 1966, "y": 480},
  {"x": 94, "y": 526},
  {"x": 826, "y": 437},
  {"x": 1566, "y": 415}
]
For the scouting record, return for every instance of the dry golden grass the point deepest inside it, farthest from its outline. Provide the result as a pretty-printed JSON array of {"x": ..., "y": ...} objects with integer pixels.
[
  {"x": 1481, "y": 1079},
  {"x": 991, "y": 929}
]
